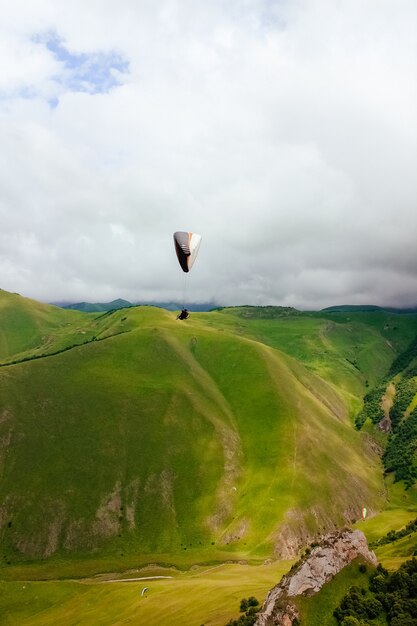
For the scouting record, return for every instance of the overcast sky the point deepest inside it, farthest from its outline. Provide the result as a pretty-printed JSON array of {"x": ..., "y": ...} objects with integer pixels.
[{"x": 283, "y": 131}]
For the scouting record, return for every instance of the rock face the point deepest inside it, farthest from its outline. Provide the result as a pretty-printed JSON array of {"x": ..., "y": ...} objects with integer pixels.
[{"x": 334, "y": 552}]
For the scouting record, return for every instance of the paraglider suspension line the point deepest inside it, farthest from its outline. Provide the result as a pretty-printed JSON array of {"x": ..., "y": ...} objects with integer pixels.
[{"x": 184, "y": 290}]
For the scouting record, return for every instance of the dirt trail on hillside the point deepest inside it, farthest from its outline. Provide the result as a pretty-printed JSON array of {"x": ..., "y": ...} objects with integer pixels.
[
  {"x": 131, "y": 580},
  {"x": 386, "y": 404}
]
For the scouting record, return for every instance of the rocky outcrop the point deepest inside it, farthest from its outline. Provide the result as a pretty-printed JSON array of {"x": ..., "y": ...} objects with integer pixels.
[{"x": 334, "y": 552}]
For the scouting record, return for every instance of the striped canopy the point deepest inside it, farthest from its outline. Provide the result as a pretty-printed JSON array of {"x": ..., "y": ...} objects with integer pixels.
[{"x": 186, "y": 247}]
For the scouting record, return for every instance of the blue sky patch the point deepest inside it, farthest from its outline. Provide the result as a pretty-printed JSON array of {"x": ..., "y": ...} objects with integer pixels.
[
  {"x": 53, "y": 102},
  {"x": 93, "y": 73}
]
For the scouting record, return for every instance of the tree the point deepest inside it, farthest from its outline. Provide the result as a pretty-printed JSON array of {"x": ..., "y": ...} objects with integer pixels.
[{"x": 350, "y": 621}]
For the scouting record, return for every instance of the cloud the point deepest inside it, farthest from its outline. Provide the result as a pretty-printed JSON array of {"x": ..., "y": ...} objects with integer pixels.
[{"x": 284, "y": 132}]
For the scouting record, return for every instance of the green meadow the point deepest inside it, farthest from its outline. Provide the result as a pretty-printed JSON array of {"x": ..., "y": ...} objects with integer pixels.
[
  {"x": 209, "y": 596},
  {"x": 209, "y": 447}
]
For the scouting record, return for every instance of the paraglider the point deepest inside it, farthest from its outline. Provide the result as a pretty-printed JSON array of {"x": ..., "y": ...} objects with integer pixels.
[
  {"x": 364, "y": 512},
  {"x": 183, "y": 315},
  {"x": 144, "y": 590},
  {"x": 186, "y": 247}
]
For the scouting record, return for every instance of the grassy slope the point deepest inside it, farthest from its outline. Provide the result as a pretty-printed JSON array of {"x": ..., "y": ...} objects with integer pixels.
[
  {"x": 179, "y": 436},
  {"x": 400, "y": 510},
  {"x": 26, "y": 325},
  {"x": 183, "y": 435},
  {"x": 349, "y": 351},
  {"x": 100, "y": 430},
  {"x": 193, "y": 433},
  {"x": 31, "y": 329}
]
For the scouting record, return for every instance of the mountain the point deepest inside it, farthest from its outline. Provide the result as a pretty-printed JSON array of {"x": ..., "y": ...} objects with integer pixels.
[
  {"x": 196, "y": 307},
  {"x": 89, "y": 307},
  {"x": 130, "y": 438},
  {"x": 143, "y": 432},
  {"x": 345, "y": 308}
]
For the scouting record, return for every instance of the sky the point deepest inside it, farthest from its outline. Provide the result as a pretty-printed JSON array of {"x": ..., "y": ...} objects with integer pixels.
[{"x": 283, "y": 131}]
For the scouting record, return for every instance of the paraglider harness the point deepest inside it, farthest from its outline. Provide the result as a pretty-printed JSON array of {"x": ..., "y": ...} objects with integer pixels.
[{"x": 183, "y": 315}]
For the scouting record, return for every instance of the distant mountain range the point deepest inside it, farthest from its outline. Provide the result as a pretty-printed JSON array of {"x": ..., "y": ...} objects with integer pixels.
[
  {"x": 91, "y": 307},
  {"x": 367, "y": 308}
]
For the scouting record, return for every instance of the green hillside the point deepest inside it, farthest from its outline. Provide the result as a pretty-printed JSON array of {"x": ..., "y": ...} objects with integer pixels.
[
  {"x": 129, "y": 438},
  {"x": 30, "y": 329},
  {"x": 392, "y": 406},
  {"x": 173, "y": 437},
  {"x": 27, "y": 325}
]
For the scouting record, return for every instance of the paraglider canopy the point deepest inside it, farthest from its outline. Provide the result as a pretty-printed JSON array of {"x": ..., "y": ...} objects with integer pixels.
[
  {"x": 186, "y": 247},
  {"x": 364, "y": 512}
]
